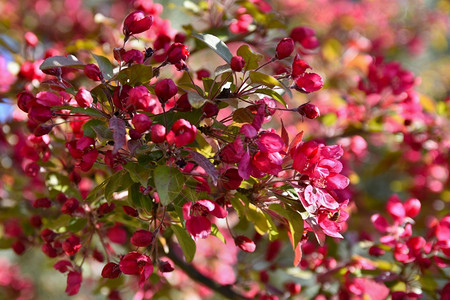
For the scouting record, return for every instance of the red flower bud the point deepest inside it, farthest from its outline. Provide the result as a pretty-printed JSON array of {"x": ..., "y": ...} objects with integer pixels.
[
  {"x": 305, "y": 36},
  {"x": 165, "y": 89},
  {"x": 293, "y": 288},
  {"x": 376, "y": 251},
  {"x": 70, "y": 206},
  {"x": 84, "y": 98},
  {"x": 111, "y": 270},
  {"x": 165, "y": 267},
  {"x": 134, "y": 134},
  {"x": 142, "y": 238},
  {"x": 309, "y": 110},
  {"x": 48, "y": 235},
  {"x": 182, "y": 133},
  {"x": 120, "y": 96},
  {"x": 177, "y": 53},
  {"x": 231, "y": 179},
  {"x": 203, "y": 73},
  {"x": 42, "y": 203},
  {"x": 245, "y": 243},
  {"x": 183, "y": 104},
  {"x": 308, "y": 83},
  {"x": 71, "y": 245},
  {"x": 237, "y": 63},
  {"x": 42, "y": 129},
  {"x": 210, "y": 110},
  {"x": 158, "y": 133},
  {"x": 25, "y": 100},
  {"x": 412, "y": 207},
  {"x": 130, "y": 211},
  {"x": 133, "y": 55},
  {"x": 136, "y": 22},
  {"x": 36, "y": 221},
  {"x": 93, "y": 72},
  {"x": 106, "y": 208},
  {"x": 299, "y": 67},
  {"x": 39, "y": 113},
  {"x": 180, "y": 38},
  {"x": 18, "y": 247},
  {"x": 49, "y": 250},
  {"x": 31, "y": 39},
  {"x": 284, "y": 48},
  {"x": 141, "y": 122}
]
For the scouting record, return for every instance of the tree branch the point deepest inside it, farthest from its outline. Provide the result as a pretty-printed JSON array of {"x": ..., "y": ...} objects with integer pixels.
[{"x": 192, "y": 272}]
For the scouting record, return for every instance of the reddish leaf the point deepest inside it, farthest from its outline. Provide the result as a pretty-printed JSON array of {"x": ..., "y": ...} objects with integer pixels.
[
  {"x": 208, "y": 166},
  {"x": 296, "y": 141},
  {"x": 118, "y": 126},
  {"x": 284, "y": 135}
]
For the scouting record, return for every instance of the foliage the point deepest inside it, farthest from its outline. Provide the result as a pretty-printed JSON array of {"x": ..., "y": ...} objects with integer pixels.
[{"x": 243, "y": 156}]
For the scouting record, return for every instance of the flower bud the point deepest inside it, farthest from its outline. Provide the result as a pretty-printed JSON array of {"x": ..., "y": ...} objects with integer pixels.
[
  {"x": 42, "y": 203},
  {"x": 84, "y": 98},
  {"x": 237, "y": 63},
  {"x": 299, "y": 67},
  {"x": 133, "y": 55},
  {"x": 210, "y": 110},
  {"x": 18, "y": 247},
  {"x": 25, "y": 100},
  {"x": 245, "y": 243},
  {"x": 284, "y": 48},
  {"x": 165, "y": 89},
  {"x": 309, "y": 110},
  {"x": 203, "y": 73},
  {"x": 180, "y": 38},
  {"x": 183, "y": 104},
  {"x": 111, "y": 270},
  {"x": 141, "y": 122},
  {"x": 308, "y": 83},
  {"x": 177, "y": 53},
  {"x": 134, "y": 134},
  {"x": 130, "y": 211},
  {"x": 412, "y": 207},
  {"x": 136, "y": 22},
  {"x": 158, "y": 133},
  {"x": 142, "y": 238},
  {"x": 182, "y": 133},
  {"x": 31, "y": 39},
  {"x": 293, "y": 288},
  {"x": 40, "y": 113},
  {"x": 305, "y": 36},
  {"x": 93, "y": 72},
  {"x": 165, "y": 267}
]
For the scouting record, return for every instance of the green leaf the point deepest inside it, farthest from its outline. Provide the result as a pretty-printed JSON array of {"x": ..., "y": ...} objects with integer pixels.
[
  {"x": 243, "y": 115},
  {"x": 216, "y": 232},
  {"x": 273, "y": 94},
  {"x": 61, "y": 61},
  {"x": 169, "y": 182},
  {"x": 76, "y": 224},
  {"x": 105, "y": 66},
  {"x": 251, "y": 58},
  {"x": 136, "y": 198},
  {"x": 138, "y": 173},
  {"x": 294, "y": 219},
  {"x": 135, "y": 75},
  {"x": 261, "y": 78},
  {"x": 116, "y": 183},
  {"x": 215, "y": 44},
  {"x": 195, "y": 100},
  {"x": 89, "y": 111},
  {"x": 222, "y": 70},
  {"x": 99, "y": 130},
  {"x": 187, "y": 244}
]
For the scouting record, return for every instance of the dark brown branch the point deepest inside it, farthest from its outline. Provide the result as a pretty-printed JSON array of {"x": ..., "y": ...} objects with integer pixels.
[{"x": 192, "y": 272}]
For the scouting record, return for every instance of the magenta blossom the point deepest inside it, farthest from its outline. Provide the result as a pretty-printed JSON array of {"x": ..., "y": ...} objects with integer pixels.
[{"x": 195, "y": 214}]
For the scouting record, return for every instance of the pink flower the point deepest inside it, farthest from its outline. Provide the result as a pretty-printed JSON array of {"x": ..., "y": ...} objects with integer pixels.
[
  {"x": 195, "y": 214},
  {"x": 182, "y": 133},
  {"x": 74, "y": 280},
  {"x": 308, "y": 83},
  {"x": 136, "y": 22},
  {"x": 135, "y": 263}
]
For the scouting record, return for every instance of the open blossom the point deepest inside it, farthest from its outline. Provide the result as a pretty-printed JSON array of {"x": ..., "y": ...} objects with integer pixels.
[
  {"x": 182, "y": 133},
  {"x": 135, "y": 263},
  {"x": 196, "y": 213}
]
